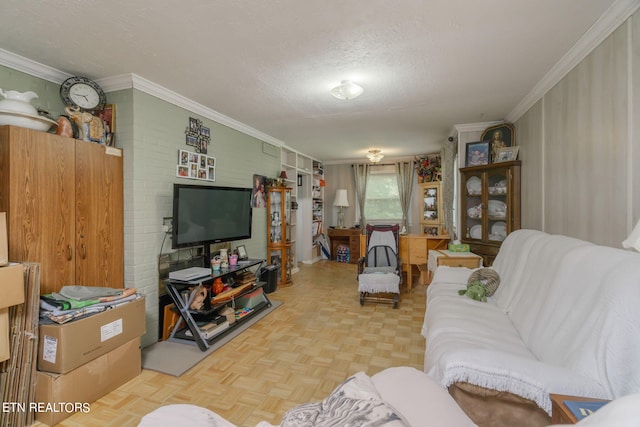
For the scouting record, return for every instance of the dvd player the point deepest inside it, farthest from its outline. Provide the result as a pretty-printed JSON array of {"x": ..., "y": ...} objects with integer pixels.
[{"x": 189, "y": 274}]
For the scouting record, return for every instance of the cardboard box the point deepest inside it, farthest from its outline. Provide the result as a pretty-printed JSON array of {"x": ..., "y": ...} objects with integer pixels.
[
  {"x": 5, "y": 344},
  {"x": 11, "y": 285},
  {"x": 59, "y": 396},
  {"x": 12, "y": 293},
  {"x": 62, "y": 348},
  {"x": 4, "y": 246}
]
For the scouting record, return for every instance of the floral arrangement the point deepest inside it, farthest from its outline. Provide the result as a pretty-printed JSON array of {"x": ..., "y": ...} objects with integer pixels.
[{"x": 428, "y": 168}]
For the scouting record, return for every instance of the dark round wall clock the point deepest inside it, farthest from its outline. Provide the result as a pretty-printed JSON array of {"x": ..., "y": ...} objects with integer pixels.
[{"x": 82, "y": 93}]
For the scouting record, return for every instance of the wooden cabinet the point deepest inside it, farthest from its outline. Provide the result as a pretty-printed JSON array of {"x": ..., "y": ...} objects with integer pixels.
[
  {"x": 345, "y": 236},
  {"x": 279, "y": 232},
  {"x": 432, "y": 220},
  {"x": 490, "y": 206},
  {"x": 64, "y": 204}
]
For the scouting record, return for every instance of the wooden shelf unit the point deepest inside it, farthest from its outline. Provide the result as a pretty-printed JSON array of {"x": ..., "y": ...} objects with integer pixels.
[
  {"x": 188, "y": 316},
  {"x": 279, "y": 232},
  {"x": 432, "y": 219}
]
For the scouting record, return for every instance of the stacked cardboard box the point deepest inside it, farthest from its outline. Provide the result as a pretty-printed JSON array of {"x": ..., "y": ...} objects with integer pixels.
[
  {"x": 78, "y": 362},
  {"x": 58, "y": 396},
  {"x": 12, "y": 291},
  {"x": 11, "y": 288},
  {"x": 20, "y": 291},
  {"x": 18, "y": 372},
  {"x": 83, "y": 360}
]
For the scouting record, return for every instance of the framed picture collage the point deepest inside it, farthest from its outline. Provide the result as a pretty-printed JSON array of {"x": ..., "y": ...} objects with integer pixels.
[{"x": 196, "y": 166}]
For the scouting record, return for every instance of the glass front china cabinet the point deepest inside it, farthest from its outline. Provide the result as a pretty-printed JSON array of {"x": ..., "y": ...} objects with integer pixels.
[
  {"x": 279, "y": 232},
  {"x": 489, "y": 206}
]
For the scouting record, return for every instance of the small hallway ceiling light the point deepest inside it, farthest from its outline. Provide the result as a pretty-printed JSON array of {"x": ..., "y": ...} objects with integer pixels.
[
  {"x": 347, "y": 90},
  {"x": 374, "y": 156}
]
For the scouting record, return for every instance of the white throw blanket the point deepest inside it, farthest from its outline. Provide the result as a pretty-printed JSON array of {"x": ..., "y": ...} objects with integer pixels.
[
  {"x": 565, "y": 319},
  {"x": 380, "y": 279}
]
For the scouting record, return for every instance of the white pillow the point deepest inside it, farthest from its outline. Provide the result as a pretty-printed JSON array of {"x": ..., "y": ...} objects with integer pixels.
[{"x": 419, "y": 399}]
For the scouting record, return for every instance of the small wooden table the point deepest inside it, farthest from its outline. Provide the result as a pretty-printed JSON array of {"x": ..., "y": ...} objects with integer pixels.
[
  {"x": 452, "y": 259},
  {"x": 560, "y": 414}
]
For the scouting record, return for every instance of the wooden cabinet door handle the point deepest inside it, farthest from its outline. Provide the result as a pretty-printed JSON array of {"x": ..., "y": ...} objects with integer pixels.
[
  {"x": 69, "y": 253},
  {"x": 84, "y": 251}
]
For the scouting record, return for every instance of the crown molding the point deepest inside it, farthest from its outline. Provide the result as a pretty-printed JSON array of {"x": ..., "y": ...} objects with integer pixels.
[
  {"x": 33, "y": 68},
  {"x": 178, "y": 100},
  {"x": 615, "y": 16},
  {"x": 472, "y": 127},
  {"x": 129, "y": 81},
  {"x": 120, "y": 82}
]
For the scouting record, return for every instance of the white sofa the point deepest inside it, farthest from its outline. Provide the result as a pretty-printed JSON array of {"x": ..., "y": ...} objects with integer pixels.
[
  {"x": 413, "y": 396},
  {"x": 565, "y": 319},
  {"x": 420, "y": 401}
]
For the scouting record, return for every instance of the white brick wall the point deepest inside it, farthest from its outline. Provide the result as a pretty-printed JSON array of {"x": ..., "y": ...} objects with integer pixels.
[{"x": 151, "y": 132}]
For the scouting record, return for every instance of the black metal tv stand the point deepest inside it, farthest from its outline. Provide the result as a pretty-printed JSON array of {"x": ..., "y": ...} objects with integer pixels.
[{"x": 175, "y": 288}]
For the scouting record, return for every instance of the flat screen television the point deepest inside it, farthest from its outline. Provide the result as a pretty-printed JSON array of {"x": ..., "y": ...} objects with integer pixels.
[{"x": 203, "y": 215}]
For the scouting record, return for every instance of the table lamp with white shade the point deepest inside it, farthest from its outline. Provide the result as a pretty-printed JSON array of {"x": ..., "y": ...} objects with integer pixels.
[{"x": 341, "y": 202}]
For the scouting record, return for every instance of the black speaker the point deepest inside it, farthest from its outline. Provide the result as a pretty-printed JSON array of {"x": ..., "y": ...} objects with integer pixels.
[{"x": 269, "y": 275}]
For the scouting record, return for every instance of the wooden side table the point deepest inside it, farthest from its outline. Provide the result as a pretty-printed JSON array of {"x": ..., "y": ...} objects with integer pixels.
[
  {"x": 560, "y": 414},
  {"x": 451, "y": 259}
]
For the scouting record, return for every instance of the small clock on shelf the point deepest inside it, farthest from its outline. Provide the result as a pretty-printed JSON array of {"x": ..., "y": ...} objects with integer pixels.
[{"x": 82, "y": 93}]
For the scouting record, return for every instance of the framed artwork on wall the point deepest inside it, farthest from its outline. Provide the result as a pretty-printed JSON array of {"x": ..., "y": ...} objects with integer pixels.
[
  {"x": 499, "y": 136},
  {"x": 198, "y": 136},
  {"x": 196, "y": 166},
  {"x": 477, "y": 153},
  {"x": 506, "y": 154},
  {"x": 259, "y": 191}
]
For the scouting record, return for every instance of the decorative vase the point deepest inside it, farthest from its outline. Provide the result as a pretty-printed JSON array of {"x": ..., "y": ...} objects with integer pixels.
[{"x": 18, "y": 102}]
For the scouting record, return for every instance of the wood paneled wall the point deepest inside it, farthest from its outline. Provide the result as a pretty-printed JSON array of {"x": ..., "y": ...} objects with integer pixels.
[{"x": 579, "y": 149}]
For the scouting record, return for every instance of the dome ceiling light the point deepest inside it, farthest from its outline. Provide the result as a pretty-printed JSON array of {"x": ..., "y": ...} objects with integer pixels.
[
  {"x": 375, "y": 156},
  {"x": 347, "y": 90}
]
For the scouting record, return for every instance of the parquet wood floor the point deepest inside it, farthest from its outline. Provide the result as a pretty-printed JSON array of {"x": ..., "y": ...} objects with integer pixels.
[{"x": 299, "y": 353}]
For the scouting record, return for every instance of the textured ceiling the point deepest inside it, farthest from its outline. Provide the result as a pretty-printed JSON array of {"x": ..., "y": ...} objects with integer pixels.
[{"x": 425, "y": 65}]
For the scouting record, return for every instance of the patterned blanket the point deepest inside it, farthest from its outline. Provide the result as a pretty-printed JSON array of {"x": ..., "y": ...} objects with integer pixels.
[{"x": 354, "y": 403}]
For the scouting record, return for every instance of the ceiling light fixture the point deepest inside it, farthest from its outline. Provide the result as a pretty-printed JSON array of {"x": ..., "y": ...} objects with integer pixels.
[
  {"x": 374, "y": 156},
  {"x": 347, "y": 90}
]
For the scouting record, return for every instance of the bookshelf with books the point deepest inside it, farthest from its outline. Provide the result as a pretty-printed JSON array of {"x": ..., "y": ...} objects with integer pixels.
[
  {"x": 317, "y": 208},
  {"x": 303, "y": 177}
]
